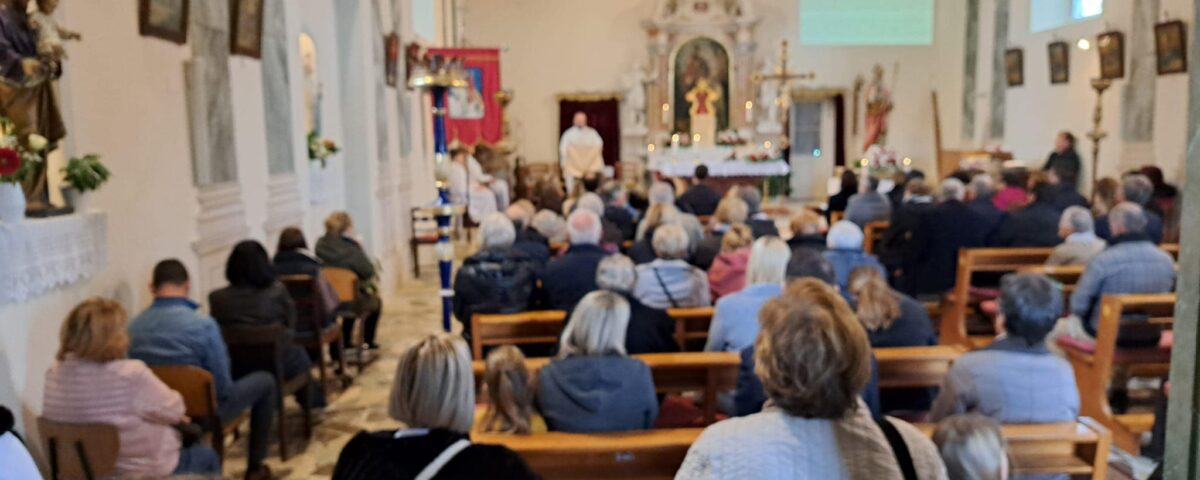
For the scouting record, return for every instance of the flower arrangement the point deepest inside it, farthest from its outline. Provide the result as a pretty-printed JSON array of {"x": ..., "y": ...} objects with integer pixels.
[
  {"x": 18, "y": 162},
  {"x": 319, "y": 148},
  {"x": 730, "y": 138},
  {"x": 87, "y": 173}
]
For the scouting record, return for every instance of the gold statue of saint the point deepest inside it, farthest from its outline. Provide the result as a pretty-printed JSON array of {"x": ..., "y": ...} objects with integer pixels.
[{"x": 703, "y": 98}]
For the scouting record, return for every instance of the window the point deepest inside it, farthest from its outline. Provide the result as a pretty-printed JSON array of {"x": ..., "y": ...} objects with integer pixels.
[
  {"x": 1081, "y": 9},
  {"x": 1050, "y": 14},
  {"x": 866, "y": 22}
]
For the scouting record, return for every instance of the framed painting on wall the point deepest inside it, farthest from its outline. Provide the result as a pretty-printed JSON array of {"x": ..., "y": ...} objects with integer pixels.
[
  {"x": 165, "y": 19},
  {"x": 1060, "y": 62},
  {"x": 246, "y": 26},
  {"x": 1014, "y": 66},
  {"x": 1111, "y": 46},
  {"x": 1170, "y": 47},
  {"x": 391, "y": 60}
]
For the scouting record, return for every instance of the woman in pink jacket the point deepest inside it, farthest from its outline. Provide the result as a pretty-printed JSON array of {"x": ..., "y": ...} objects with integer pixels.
[{"x": 728, "y": 271}]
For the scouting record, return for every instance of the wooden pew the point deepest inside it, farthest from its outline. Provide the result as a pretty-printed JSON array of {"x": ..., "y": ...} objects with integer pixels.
[
  {"x": 1093, "y": 369},
  {"x": 532, "y": 327},
  {"x": 650, "y": 454},
  {"x": 708, "y": 372},
  {"x": 908, "y": 367},
  {"x": 873, "y": 234},
  {"x": 1068, "y": 275},
  {"x": 691, "y": 324},
  {"x": 1077, "y": 448},
  {"x": 953, "y": 329}
]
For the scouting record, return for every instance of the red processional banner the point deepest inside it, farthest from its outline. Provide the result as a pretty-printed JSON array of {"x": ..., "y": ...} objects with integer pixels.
[{"x": 474, "y": 114}]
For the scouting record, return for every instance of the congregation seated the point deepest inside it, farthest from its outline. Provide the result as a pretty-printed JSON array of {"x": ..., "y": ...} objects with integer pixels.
[
  {"x": 906, "y": 217},
  {"x": 1063, "y": 191},
  {"x": 657, "y": 215},
  {"x": 509, "y": 389},
  {"x": 900, "y": 184},
  {"x": 496, "y": 279},
  {"x": 808, "y": 230},
  {"x": 845, "y": 252},
  {"x": 527, "y": 239},
  {"x": 611, "y": 237},
  {"x": 339, "y": 249},
  {"x": 549, "y": 195},
  {"x": 932, "y": 262},
  {"x": 735, "y": 317},
  {"x": 972, "y": 447},
  {"x": 727, "y": 274},
  {"x": 1034, "y": 225},
  {"x": 670, "y": 281},
  {"x": 813, "y": 358},
  {"x": 592, "y": 386},
  {"x": 618, "y": 212},
  {"x": 550, "y": 225},
  {"x": 868, "y": 205},
  {"x": 837, "y": 202},
  {"x": 1079, "y": 240},
  {"x": 700, "y": 198},
  {"x": 292, "y": 258},
  {"x": 14, "y": 455},
  {"x": 760, "y": 223},
  {"x": 92, "y": 381},
  {"x": 662, "y": 193},
  {"x": 891, "y": 319},
  {"x": 254, "y": 298},
  {"x": 1015, "y": 379},
  {"x": 172, "y": 331},
  {"x": 1165, "y": 195},
  {"x": 1136, "y": 189},
  {"x": 731, "y": 211},
  {"x": 1131, "y": 263},
  {"x": 650, "y": 330},
  {"x": 1012, "y": 194},
  {"x": 433, "y": 395},
  {"x": 981, "y": 190},
  {"x": 569, "y": 277}
]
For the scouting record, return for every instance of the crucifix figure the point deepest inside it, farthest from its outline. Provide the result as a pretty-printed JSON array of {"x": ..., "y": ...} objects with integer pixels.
[{"x": 783, "y": 78}]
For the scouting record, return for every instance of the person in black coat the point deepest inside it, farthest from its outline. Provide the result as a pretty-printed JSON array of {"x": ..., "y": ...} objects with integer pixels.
[
  {"x": 496, "y": 279},
  {"x": 618, "y": 212},
  {"x": 905, "y": 220},
  {"x": 838, "y": 202},
  {"x": 700, "y": 198},
  {"x": 932, "y": 262},
  {"x": 760, "y": 223},
  {"x": 569, "y": 277},
  {"x": 979, "y": 194},
  {"x": 1035, "y": 225},
  {"x": 808, "y": 231},
  {"x": 1064, "y": 159},
  {"x": 1064, "y": 194},
  {"x": 650, "y": 330},
  {"x": 892, "y": 319}
]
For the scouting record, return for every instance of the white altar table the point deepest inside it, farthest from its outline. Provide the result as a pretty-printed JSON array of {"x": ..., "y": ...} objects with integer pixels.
[
  {"x": 682, "y": 162},
  {"x": 38, "y": 255}
]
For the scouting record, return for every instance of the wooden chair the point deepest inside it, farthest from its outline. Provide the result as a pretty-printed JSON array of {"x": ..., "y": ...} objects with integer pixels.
[
  {"x": 420, "y": 236},
  {"x": 953, "y": 330},
  {"x": 691, "y": 324},
  {"x": 310, "y": 312},
  {"x": 872, "y": 234},
  {"x": 345, "y": 283},
  {"x": 80, "y": 450},
  {"x": 199, "y": 394},
  {"x": 835, "y": 217},
  {"x": 911, "y": 367},
  {"x": 651, "y": 454},
  {"x": 1078, "y": 448},
  {"x": 263, "y": 348},
  {"x": 524, "y": 328},
  {"x": 707, "y": 372},
  {"x": 1094, "y": 366}
]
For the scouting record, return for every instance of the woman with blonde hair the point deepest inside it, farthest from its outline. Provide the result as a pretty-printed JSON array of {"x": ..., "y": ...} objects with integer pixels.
[
  {"x": 735, "y": 318},
  {"x": 727, "y": 272},
  {"x": 892, "y": 319},
  {"x": 731, "y": 211},
  {"x": 509, "y": 395},
  {"x": 808, "y": 230},
  {"x": 93, "y": 382},
  {"x": 657, "y": 215},
  {"x": 592, "y": 386},
  {"x": 972, "y": 448},
  {"x": 433, "y": 395},
  {"x": 340, "y": 248},
  {"x": 813, "y": 359}
]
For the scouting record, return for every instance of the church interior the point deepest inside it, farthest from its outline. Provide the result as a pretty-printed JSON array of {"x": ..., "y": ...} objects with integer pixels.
[{"x": 681, "y": 239}]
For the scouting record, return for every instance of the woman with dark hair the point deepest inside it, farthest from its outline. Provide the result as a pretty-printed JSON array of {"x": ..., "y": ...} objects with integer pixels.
[
  {"x": 292, "y": 257},
  {"x": 1165, "y": 194},
  {"x": 837, "y": 203},
  {"x": 1013, "y": 194},
  {"x": 254, "y": 298}
]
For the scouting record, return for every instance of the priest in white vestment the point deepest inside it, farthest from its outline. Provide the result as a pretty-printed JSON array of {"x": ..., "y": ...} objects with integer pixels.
[
  {"x": 466, "y": 189},
  {"x": 580, "y": 151}
]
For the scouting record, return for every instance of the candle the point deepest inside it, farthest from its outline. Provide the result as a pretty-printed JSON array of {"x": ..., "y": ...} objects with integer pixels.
[
  {"x": 650, "y": 148},
  {"x": 695, "y": 138},
  {"x": 674, "y": 141},
  {"x": 749, "y": 112},
  {"x": 666, "y": 115}
]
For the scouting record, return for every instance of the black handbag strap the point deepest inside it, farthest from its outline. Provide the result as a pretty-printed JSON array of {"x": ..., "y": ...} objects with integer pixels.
[
  {"x": 666, "y": 290},
  {"x": 899, "y": 448}
]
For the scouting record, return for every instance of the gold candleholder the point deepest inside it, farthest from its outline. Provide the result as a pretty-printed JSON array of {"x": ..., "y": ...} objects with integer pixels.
[{"x": 1097, "y": 134}]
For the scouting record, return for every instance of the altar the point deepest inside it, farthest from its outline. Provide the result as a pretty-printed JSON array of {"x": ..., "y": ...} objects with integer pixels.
[{"x": 726, "y": 167}]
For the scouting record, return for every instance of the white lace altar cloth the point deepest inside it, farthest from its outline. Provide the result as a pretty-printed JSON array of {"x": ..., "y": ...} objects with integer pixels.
[{"x": 39, "y": 255}]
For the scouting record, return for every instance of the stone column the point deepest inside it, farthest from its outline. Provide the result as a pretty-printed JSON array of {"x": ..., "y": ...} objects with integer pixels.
[
  {"x": 970, "y": 67},
  {"x": 1137, "y": 96},
  {"x": 277, "y": 101},
  {"x": 999, "y": 78}
]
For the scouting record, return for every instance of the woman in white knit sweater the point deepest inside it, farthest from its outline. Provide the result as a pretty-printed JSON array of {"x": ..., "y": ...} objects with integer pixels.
[{"x": 813, "y": 358}]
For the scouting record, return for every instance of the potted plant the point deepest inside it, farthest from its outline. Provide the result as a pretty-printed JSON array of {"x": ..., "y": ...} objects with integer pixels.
[
  {"x": 319, "y": 148},
  {"x": 17, "y": 163},
  {"x": 80, "y": 177}
]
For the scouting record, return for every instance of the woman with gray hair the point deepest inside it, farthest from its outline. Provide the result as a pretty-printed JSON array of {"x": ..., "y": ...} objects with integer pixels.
[
  {"x": 434, "y": 396},
  {"x": 650, "y": 330},
  {"x": 496, "y": 279},
  {"x": 592, "y": 386},
  {"x": 1080, "y": 242},
  {"x": 670, "y": 281}
]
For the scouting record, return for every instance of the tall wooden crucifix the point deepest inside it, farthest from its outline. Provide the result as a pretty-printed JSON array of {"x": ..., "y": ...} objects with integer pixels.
[{"x": 784, "y": 77}]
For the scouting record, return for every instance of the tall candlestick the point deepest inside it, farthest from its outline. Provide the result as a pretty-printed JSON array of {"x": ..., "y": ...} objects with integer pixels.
[
  {"x": 666, "y": 116},
  {"x": 749, "y": 112}
]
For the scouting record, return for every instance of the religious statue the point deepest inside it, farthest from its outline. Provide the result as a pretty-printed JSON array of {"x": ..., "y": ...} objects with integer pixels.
[
  {"x": 50, "y": 34},
  {"x": 703, "y": 100},
  {"x": 768, "y": 101},
  {"x": 634, "y": 83},
  {"x": 879, "y": 106}
]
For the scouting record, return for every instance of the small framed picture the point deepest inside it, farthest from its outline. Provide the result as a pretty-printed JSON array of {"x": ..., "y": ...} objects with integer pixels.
[
  {"x": 391, "y": 61},
  {"x": 1060, "y": 62},
  {"x": 1014, "y": 67},
  {"x": 1170, "y": 47},
  {"x": 1111, "y": 46},
  {"x": 246, "y": 26},
  {"x": 165, "y": 19}
]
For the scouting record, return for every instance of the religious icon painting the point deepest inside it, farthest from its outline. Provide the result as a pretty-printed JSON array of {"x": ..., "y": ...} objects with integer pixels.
[
  {"x": 467, "y": 102},
  {"x": 1111, "y": 46},
  {"x": 1014, "y": 67},
  {"x": 1170, "y": 47},
  {"x": 165, "y": 19},
  {"x": 1060, "y": 64},
  {"x": 391, "y": 59},
  {"x": 246, "y": 26}
]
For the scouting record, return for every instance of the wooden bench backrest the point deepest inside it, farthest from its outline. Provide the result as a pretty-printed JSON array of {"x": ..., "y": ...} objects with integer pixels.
[
  {"x": 905, "y": 367},
  {"x": 651, "y": 454},
  {"x": 1160, "y": 308},
  {"x": 532, "y": 327},
  {"x": 344, "y": 282},
  {"x": 872, "y": 233},
  {"x": 953, "y": 329},
  {"x": 1076, "y": 448},
  {"x": 194, "y": 384},
  {"x": 690, "y": 324},
  {"x": 99, "y": 443}
]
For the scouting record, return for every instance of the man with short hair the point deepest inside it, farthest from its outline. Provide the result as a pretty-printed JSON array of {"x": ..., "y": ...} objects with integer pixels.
[
  {"x": 1034, "y": 225},
  {"x": 569, "y": 277},
  {"x": 979, "y": 193},
  {"x": 868, "y": 205},
  {"x": 617, "y": 211},
  {"x": 1080, "y": 242},
  {"x": 1015, "y": 379},
  {"x": 906, "y": 217},
  {"x": 1136, "y": 189},
  {"x": 932, "y": 259},
  {"x": 701, "y": 198},
  {"x": 173, "y": 332},
  {"x": 760, "y": 223},
  {"x": 527, "y": 240}
]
